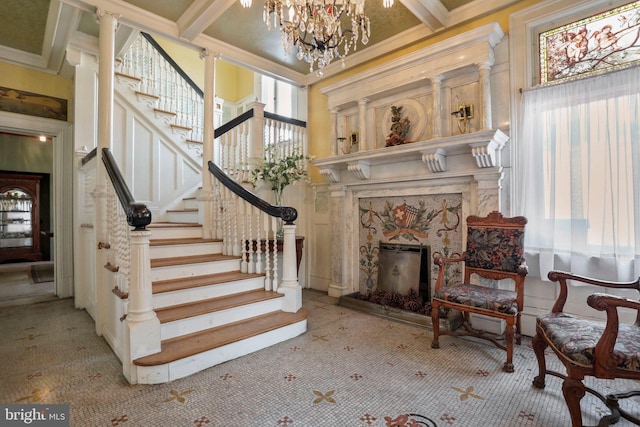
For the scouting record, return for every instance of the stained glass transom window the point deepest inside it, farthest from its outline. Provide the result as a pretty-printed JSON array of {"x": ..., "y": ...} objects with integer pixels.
[{"x": 600, "y": 43}]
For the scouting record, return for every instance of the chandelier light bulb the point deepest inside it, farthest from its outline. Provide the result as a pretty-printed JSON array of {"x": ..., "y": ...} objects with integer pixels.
[{"x": 247, "y": 3}]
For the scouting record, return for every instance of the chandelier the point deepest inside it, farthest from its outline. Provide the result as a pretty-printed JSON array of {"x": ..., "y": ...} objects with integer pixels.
[{"x": 315, "y": 27}]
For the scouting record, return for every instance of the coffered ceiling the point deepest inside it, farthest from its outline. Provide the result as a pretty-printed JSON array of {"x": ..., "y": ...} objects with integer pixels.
[{"x": 36, "y": 33}]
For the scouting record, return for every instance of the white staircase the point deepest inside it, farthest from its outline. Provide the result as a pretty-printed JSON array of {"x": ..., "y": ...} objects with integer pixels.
[{"x": 209, "y": 311}]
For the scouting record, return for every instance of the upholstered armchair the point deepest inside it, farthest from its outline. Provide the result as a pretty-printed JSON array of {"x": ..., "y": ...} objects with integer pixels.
[
  {"x": 586, "y": 347},
  {"x": 494, "y": 251}
]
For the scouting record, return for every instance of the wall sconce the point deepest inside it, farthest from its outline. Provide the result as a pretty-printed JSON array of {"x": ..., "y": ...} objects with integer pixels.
[
  {"x": 346, "y": 144},
  {"x": 463, "y": 113}
]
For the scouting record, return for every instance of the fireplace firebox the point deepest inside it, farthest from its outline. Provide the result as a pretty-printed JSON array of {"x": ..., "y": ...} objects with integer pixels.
[{"x": 402, "y": 267}]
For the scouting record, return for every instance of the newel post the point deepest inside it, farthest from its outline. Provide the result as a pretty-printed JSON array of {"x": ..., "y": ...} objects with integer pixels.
[
  {"x": 290, "y": 286},
  {"x": 142, "y": 323}
]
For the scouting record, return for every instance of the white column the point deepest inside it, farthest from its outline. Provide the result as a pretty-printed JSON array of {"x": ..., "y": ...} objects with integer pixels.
[
  {"x": 108, "y": 23},
  {"x": 362, "y": 124},
  {"x": 436, "y": 94},
  {"x": 337, "y": 284},
  {"x": 484, "y": 71},
  {"x": 290, "y": 286},
  {"x": 256, "y": 134},
  {"x": 205, "y": 198},
  {"x": 334, "y": 145},
  {"x": 86, "y": 93}
]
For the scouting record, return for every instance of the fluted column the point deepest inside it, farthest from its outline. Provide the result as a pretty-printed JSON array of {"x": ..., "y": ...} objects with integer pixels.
[
  {"x": 362, "y": 124},
  {"x": 436, "y": 94},
  {"x": 334, "y": 147},
  {"x": 205, "y": 198},
  {"x": 106, "y": 47},
  {"x": 484, "y": 71}
]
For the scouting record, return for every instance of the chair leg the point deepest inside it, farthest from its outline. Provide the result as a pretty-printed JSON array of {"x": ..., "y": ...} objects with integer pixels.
[
  {"x": 518, "y": 330},
  {"x": 539, "y": 346},
  {"x": 435, "y": 321},
  {"x": 508, "y": 341},
  {"x": 574, "y": 391}
]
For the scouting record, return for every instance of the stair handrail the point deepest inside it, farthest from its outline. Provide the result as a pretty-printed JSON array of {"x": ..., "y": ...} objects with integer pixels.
[
  {"x": 138, "y": 214},
  {"x": 287, "y": 213}
]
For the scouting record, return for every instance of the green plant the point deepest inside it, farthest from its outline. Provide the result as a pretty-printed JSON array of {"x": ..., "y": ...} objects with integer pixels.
[{"x": 279, "y": 169}]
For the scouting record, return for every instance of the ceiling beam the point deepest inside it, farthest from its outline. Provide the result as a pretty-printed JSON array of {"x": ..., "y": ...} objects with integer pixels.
[
  {"x": 430, "y": 12},
  {"x": 200, "y": 15}
]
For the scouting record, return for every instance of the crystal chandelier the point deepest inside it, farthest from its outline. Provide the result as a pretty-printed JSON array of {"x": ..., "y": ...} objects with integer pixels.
[{"x": 314, "y": 27}]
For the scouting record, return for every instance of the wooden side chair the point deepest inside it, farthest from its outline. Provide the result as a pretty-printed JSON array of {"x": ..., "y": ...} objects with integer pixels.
[
  {"x": 494, "y": 251},
  {"x": 587, "y": 347}
]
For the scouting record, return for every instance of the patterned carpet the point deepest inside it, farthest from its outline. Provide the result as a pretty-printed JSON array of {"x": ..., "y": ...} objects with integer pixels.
[{"x": 349, "y": 369}]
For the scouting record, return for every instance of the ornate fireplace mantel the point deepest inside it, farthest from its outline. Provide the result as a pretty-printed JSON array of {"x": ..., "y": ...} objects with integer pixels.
[
  {"x": 483, "y": 147},
  {"x": 439, "y": 163}
]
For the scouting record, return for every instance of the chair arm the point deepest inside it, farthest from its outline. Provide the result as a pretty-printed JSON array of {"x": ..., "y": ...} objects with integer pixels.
[
  {"x": 605, "y": 360},
  {"x": 562, "y": 276}
]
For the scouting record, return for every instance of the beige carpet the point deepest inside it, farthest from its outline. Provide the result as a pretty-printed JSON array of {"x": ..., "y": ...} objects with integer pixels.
[{"x": 349, "y": 369}]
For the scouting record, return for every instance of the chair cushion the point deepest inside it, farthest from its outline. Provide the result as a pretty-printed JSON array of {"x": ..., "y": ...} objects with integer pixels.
[
  {"x": 490, "y": 299},
  {"x": 494, "y": 248},
  {"x": 576, "y": 338}
]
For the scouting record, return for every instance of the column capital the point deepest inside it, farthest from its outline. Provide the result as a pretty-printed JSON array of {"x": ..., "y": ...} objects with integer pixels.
[
  {"x": 436, "y": 79},
  {"x": 101, "y": 14},
  {"x": 363, "y": 101},
  {"x": 206, "y": 52}
]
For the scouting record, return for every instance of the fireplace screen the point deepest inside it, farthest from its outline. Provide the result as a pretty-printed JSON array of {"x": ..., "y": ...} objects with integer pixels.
[{"x": 403, "y": 267}]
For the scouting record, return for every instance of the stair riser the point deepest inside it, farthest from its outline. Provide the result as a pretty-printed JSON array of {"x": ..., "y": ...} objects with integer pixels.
[
  {"x": 183, "y": 217},
  {"x": 199, "y": 362},
  {"x": 191, "y": 270},
  {"x": 218, "y": 318},
  {"x": 169, "y": 251},
  {"x": 190, "y": 204},
  {"x": 167, "y": 299},
  {"x": 176, "y": 233}
]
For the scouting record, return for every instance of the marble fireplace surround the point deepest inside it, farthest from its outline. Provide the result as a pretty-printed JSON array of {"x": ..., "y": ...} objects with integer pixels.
[{"x": 441, "y": 162}]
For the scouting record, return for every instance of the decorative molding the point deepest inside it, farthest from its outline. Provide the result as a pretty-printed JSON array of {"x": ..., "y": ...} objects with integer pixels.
[
  {"x": 485, "y": 152},
  {"x": 149, "y": 99},
  {"x": 480, "y": 145},
  {"x": 360, "y": 169},
  {"x": 332, "y": 175},
  {"x": 436, "y": 159},
  {"x": 131, "y": 81},
  {"x": 166, "y": 116}
]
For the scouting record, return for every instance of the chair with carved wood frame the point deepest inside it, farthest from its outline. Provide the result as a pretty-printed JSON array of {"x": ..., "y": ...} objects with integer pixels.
[
  {"x": 588, "y": 347},
  {"x": 494, "y": 251}
]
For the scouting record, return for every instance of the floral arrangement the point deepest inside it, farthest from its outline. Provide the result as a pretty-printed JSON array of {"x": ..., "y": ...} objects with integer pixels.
[{"x": 279, "y": 170}]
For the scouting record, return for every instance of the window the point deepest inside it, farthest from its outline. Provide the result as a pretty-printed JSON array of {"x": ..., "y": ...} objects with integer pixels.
[
  {"x": 579, "y": 175},
  {"x": 596, "y": 44},
  {"x": 279, "y": 97}
]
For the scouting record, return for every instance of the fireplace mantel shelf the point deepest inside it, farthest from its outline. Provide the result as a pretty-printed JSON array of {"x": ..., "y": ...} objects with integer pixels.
[{"x": 482, "y": 145}]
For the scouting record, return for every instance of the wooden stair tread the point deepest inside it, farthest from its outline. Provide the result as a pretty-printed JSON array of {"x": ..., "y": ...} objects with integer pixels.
[
  {"x": 191, "y": 259},
  {"x": 209, "y": 339},
  {"x": 172, "y": 224},
  {"x": 181, "y": 241},
  {"x": 183, "y": 311},
  {"x": 196, "y": 281}
]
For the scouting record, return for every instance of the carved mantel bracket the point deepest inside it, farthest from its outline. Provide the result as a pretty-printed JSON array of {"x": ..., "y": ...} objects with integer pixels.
[{"x": 361, "y": 169}]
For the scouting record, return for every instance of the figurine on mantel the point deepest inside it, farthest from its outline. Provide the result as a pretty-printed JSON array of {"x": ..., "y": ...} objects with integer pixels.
[{"x": 399, "y": 127}]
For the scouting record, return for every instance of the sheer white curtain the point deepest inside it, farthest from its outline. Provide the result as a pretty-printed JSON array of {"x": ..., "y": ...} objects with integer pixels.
[{"x": 578, "y": 179}]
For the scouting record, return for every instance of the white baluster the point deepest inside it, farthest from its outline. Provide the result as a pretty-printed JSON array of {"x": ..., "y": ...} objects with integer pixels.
[
  {"x": 274, "y": 252},
  {"x": 268, "y": 281}
]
